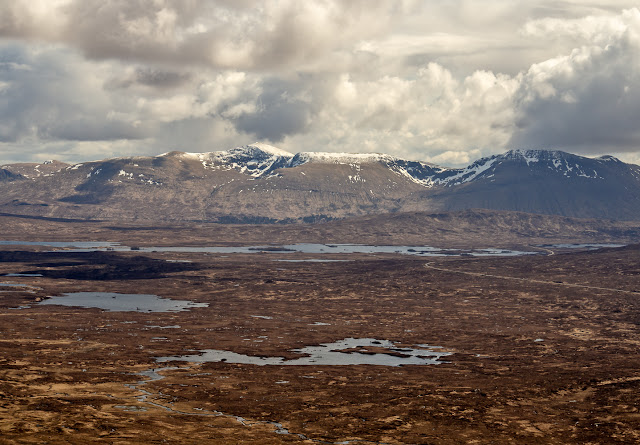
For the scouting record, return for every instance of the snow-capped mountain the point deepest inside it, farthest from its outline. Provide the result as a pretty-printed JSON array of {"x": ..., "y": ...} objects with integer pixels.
[
  {"x": 422, "y": 173},
  {"x": 261, "y": 183},
  {"x": 262, "y": 160},
  {"x": 539, "y": 181},
  {"x": 538, "y": 162},
  {"x": 257, "y": 159}
]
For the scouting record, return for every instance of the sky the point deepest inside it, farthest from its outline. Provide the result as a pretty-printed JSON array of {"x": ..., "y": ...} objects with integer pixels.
[{"x": 444, "y": 81}]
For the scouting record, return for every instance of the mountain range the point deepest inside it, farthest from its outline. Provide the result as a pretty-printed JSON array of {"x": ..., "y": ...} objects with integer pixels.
[{"x": 259, "y": 183}]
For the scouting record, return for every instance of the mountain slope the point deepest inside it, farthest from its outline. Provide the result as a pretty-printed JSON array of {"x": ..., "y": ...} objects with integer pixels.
[
  {"x": 549, "y": 182},
  {"x": 255, "y": 183},
  {"x": 260, "y": 183},
  {"x": 7, "y": 175}
]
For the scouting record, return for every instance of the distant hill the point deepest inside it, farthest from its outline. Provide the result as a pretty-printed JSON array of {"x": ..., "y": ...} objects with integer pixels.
[
  {"x": 477, "y": 227},
  {"x": 262, "y": 184}
]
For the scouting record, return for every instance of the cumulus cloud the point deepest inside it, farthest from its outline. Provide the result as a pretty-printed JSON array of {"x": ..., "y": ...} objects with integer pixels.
[
  {"x": 445, "y": 81},
  {"x": 433, "y": 113},
  {"x": 588, "y": 100},
  {"x": 221, "y": 34}
]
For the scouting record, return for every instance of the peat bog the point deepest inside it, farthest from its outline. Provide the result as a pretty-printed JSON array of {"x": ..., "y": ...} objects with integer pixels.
[{"x": 539, "y": 348}]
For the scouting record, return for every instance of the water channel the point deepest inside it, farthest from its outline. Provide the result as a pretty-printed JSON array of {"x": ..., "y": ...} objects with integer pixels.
[
  {"x": 152, "y": 375},
  {"x": 306, "y": 248}
]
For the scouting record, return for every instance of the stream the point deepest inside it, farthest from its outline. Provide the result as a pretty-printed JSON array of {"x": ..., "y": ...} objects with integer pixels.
[{"x": 153, "y": 375}]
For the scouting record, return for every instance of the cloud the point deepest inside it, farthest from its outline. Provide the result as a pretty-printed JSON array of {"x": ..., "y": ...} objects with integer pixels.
[
  {"x": 272, "y": 34},
  {"x": 83, "y": 129},
  {"x": 284, "y": 107},
  {"x": 151, "y": 77},
  {"x": 54, "y": 95},
  {"x": 445, "y": 81},
  {"x": 587, "y": 101},
  {"x": 419, "y": 117},
  {"x": 464, "y": 157}
]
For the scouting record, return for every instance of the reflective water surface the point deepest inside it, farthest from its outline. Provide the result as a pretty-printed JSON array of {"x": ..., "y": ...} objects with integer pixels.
[
  {"x": 115, "y": 302},
  {"x": 307, "y": 248},
  {"x": 349, "y": 351},
  {"x": 22, "y": 275},
  {"x": 590, "y": 246}
]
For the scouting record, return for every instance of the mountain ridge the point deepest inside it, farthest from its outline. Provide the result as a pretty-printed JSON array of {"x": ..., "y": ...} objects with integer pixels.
[{"x": 261, "y": 183}]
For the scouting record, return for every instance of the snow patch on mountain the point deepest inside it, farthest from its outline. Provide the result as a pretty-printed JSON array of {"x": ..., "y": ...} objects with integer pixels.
[
  {"x": 421, "y": 173},
  {"x": 257, "y": 159},
  {"x": 564, "y": 163},
  {"x": 266, "y": 148},
  {"x": 469, "y": 173},
  {"x": 339, "y": 158},
  {"x": 530, "y": 158},
  {"x": 262, "y": 160}
]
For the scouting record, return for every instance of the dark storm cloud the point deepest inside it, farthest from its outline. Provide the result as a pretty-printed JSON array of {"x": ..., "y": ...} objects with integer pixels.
[
  {"x": 23, "y": 102},
  {"x": 587, "y": 102},
  {"x": 603, "y": 117},
  {"x": 283, "y": 108},
  {"x": 156, "y": 78},
  {"x": 161, "y": 79},
  {"x": 275, "y": 121}
]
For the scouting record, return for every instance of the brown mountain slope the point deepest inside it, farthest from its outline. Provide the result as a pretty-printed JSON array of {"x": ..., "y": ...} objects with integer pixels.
[
  {"x": 262, "y": 184},
  {"x": 178, "y": 187}
]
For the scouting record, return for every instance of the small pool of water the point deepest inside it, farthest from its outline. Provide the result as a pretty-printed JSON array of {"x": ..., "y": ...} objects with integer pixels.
[
  {"x": 14, "y": 285},
  {"x": 349, "y": 351},
  {"x": 22, "y": 275},
  {"x": 115, "y": 302}
]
